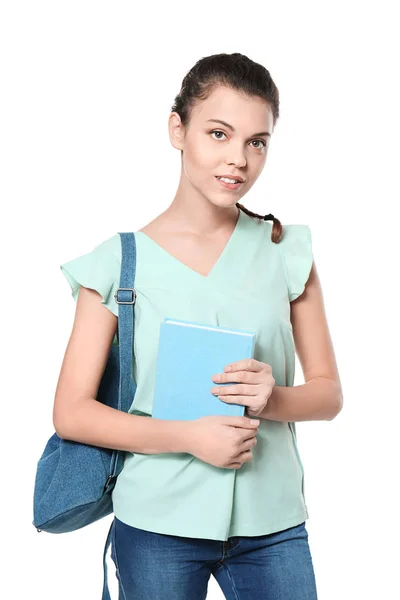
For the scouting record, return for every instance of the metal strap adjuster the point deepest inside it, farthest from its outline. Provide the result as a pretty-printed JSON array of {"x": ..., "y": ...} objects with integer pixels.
[{"x": 126, "y": 301}]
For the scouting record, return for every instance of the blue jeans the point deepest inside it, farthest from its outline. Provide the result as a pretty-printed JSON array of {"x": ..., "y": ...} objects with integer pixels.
[{"x": 154, "y": 566}]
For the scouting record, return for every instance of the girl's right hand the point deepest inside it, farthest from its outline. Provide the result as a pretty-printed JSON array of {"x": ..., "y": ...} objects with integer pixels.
[{"x": 223, "y": 441}]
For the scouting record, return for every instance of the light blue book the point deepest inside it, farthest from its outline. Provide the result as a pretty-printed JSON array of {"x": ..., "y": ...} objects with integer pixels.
[{"x": 189, "y": 354}]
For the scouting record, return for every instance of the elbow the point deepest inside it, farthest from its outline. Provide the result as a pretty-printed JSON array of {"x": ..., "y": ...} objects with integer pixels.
[
  {"x": 337, "y": 407},
  {"x": 59, "y": 424},
  {"x": 62, "y": 416},
  {"x": 65, "y": 418},
  {"x": 59, "y": 429}
]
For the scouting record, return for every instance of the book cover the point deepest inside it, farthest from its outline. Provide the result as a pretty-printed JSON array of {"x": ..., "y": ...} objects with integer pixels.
[{"x": 189, "y": 354}]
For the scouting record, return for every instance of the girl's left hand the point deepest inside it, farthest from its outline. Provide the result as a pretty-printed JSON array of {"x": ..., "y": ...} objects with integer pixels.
[{"x": 254, "y": 389}]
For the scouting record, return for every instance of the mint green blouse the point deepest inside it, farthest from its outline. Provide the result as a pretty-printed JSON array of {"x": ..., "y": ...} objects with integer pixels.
[{"x": 250, "y": 287}]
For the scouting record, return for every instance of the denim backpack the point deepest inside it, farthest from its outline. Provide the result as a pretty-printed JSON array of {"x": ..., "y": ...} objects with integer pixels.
[{"x": 74, "y": 481}]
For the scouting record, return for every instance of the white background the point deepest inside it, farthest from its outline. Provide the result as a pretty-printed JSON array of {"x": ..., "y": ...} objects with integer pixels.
[{"x": 86, "y": 92}]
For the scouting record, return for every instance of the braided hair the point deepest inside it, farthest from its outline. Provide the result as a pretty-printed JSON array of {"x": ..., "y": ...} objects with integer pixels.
[{"x": 276, "y": 233}]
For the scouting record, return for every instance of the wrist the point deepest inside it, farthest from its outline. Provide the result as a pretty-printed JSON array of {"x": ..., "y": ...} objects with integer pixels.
[{"x": 185, "y": 436}]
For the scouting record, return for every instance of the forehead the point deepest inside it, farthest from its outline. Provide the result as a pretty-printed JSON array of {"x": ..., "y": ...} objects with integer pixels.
[{"x": 236, "y": 108}]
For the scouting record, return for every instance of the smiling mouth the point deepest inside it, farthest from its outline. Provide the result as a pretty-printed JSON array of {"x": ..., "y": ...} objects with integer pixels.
[{"x": 229, "y": 180}]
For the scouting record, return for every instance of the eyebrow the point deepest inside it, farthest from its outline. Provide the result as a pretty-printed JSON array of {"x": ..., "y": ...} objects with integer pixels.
[{"x": 233, "y": 129}]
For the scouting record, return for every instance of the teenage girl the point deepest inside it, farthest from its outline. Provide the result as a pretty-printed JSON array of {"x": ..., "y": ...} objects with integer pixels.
[{"x": 221, "y": 496}]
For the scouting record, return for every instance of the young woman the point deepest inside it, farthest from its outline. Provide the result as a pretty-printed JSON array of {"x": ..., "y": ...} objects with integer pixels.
[{"x": 219, "y": 495}]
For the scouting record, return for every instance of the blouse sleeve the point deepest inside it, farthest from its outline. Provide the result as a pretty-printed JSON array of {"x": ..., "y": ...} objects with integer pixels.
[
  {"x": 297, "y": 254},
  {"x": 98, "y": 270}
]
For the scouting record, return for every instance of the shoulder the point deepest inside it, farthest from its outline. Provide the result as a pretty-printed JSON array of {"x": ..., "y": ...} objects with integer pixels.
[
  {"x": 98, "y": 269},
  {"x": 294, "y": 234},
  {"x": 111, "y": 245},
  {"x": 296, "y": 249}
]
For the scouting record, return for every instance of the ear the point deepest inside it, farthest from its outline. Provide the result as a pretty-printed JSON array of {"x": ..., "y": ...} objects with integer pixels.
[{"x": 176, "y": 131}]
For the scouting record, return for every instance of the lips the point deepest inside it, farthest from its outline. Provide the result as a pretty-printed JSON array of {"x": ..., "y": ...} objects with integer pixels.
[{"x": 237, "y": 178}]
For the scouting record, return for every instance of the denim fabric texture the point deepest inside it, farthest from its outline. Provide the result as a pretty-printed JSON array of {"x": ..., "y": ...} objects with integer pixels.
[{"x": 153, "y": 566}]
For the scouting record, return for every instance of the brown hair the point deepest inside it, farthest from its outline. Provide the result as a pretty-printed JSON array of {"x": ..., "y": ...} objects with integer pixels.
[{"x": 240, "y": 73}]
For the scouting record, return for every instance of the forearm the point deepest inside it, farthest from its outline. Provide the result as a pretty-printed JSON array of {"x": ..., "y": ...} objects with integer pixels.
[
  {"x": 97, "y": 424},
  {"x": 317, "y": 400}
]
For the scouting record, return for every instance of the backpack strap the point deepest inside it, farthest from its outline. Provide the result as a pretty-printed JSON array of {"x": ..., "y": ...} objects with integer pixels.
[
  {"x": 106, "y": 591},
  {"x": 125, "y": 296}
]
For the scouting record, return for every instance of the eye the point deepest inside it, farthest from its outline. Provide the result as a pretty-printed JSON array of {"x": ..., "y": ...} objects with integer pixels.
[
  {"x": 256, "y": 147},
  {"x": 217, "y": 131},
  {"x": 262, "y": 141}
]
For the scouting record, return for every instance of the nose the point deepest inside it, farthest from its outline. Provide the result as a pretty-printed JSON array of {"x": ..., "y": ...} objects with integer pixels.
[
  {"x": 239, "y": 163},
  {"x": 237, "y": 158}
]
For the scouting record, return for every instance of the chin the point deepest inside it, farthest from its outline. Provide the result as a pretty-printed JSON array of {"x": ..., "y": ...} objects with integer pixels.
[{"x": 227, "y": 204}]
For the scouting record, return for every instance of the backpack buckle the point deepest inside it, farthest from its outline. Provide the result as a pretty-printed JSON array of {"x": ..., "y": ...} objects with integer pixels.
[{"x": 125, "y": 301}]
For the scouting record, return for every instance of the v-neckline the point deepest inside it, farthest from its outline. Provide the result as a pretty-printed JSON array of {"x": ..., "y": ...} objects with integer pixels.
[{"x": 217, "y": 263}]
